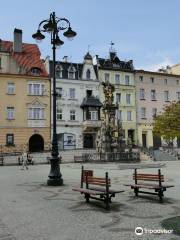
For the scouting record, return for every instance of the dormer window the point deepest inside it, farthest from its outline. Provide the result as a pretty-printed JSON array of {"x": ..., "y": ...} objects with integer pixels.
[
  {"x": 36, "y": 71},
  {"x": 71, "y": 72},
  {"x": 59, "y": 71},
  {"x": 88, "y": 74}
]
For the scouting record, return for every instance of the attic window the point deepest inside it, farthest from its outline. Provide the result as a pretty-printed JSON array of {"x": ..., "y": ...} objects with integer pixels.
[
  {"x": 71, "y": 72},
  {"x": 59, "y": 71},
  {"x": 36, "y": 71}
]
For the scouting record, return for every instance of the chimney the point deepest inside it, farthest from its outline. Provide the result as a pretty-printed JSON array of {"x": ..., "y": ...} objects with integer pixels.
[
  {"x": 65, "y": 58},
  {"x": 17, "y": 45}
]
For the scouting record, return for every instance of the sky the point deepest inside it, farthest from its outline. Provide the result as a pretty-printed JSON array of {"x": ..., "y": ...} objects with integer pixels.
[{"x": 146, "y": 31}]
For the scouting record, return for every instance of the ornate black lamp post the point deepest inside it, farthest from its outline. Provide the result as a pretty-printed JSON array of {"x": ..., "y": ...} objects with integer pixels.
[{"x": 53, "y": 26}]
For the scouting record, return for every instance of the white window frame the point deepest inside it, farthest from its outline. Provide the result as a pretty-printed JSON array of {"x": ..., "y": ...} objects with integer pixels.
[
  {"x": 117, "y": 79},
  {"x": 72, "y": 93},
  {"x": 118, "y": 97},
  {"x": 127, "y": 80},
  {"x": 36, "y": 89},
  {"x": 106, "y": 77},
  {"x": 129, "y": 115},
  {"x": 72, "y": 115},
  {"x": 10, "y": 113},
  {"x": 153, "y": 94},
  {"x": 128, "y": 98},
  {"x": 166, "y": 96},
  {"x": 59, "y": 114},
  {"x": 93, "y": 115},
  {"x": 10, "y": 88},
  {"x": 143, "y": 113},
  {"x": 142, "y": 94},
  {"x": 36, "y": 113}
]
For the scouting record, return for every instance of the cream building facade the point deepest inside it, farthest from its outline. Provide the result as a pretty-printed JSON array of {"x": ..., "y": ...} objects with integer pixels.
[
  {"x": 154, "y": 90},
  {"x": 121, "y": 75},
  {"x": 24, "y": 97}
]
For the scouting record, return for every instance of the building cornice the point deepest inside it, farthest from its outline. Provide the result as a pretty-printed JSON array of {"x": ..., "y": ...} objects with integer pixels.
[
  {"x": 23, "y": 76},
  {"x": 156, "y": 73}
]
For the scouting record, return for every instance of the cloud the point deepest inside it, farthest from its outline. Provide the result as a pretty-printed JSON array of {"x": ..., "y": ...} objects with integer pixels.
[{"x": 156, "y": 66}]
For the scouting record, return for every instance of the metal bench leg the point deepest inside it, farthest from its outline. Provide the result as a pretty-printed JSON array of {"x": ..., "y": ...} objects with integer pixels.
[
  {"x": 107, "y": 203},
  {"x": 87, "y": 197},
  {"x": 161, "y": 195},
  {"x": 136, "y": 190}
]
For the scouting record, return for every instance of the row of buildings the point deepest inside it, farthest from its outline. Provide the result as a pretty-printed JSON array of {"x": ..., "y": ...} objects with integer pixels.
[{"x": 25, "y": 98}]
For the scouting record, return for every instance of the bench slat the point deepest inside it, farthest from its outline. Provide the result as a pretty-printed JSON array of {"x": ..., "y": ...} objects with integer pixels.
[
  {"x": 148, "y": 186},
  {"x": 88, "y": 191}
]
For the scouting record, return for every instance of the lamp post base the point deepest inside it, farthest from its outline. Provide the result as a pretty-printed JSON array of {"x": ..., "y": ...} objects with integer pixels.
[
  {"x": 55, "y": 182},
  {"x": 55, "y": 176}
]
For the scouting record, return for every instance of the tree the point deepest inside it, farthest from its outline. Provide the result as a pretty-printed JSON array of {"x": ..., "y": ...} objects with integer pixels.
[{"x": 167, "y": 123}]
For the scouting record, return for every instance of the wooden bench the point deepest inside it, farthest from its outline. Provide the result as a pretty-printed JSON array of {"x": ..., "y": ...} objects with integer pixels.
[
  {"x": 101, "y": 193},
  {"x": 2, "y": 160},
  {"x": 143, "y": 180}
]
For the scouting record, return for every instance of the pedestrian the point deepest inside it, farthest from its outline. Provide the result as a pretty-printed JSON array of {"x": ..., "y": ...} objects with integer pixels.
[{"x": 24, "y": 161}]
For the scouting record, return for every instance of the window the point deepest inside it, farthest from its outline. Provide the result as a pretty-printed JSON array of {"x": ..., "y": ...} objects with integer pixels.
[
  {"x": 177, "y": 82},
  {"x": 94, "y": 115},
  {"x": 143, "y": 113},
  {"x": 58, "y": 71},
  {"x": 154, "y": 112},
  {"x": 88, "y": 74},
  {"x": 69, "y": 140},
  {"x": 0, "y": 64},
  {"x": 36, "y": 71},
  {"x": 153, "y": 95},
  {"x": 118, "y": 97},
  {"x": 119, "y": 115},
  {"x": 35, "y": 89},
  {"x": 117, "y": 79},
  {"x": 165, "y": 81},
  {"x": 129, "y": 116},
  {"x": 88, "y": 93},
  {"x": 10, "y": 113},
  {"x": 126, "y": 79},
  {"x": 128, "y": 98},
  {"x": 141, "y": 78},
  {"x": 59, "y": 92},
  {"x": 71, "y": 72},
  {"x": 178, "y": 95},
  {"x": 142, "y": 94},
  {"x": 11, "y": 88},
  {"x": 106, "y": 76},
  {"x": 72, "y": 115},
  {"x": 152, "y": 80},
  {"x": 72, "y": 93},
  {"x": 166, "y": 96},
  {"x": 36, "y": 113},
  {"x": 59, "y": 114},
  {"x": 9, "y": 139}
]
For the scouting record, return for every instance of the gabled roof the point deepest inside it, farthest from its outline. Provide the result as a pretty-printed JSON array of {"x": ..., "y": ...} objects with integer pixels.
[{"x": 29, "y": 58}]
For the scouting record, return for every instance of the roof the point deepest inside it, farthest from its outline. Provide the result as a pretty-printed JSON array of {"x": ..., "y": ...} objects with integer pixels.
[
  {"x": 157, "y": 73},
  {"x": 65, "y": 67},
  {"x": 114, "y": 63},
  {"x": 29, "y": 58},
  {"x": 91, "y": 102}
]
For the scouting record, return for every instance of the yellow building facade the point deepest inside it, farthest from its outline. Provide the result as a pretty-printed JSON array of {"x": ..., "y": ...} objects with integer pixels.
[{"x": 24, "y": 97}]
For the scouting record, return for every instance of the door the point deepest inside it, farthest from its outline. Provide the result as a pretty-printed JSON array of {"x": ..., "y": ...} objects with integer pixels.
[
  {"x": 36, "y": 143},
  {"x": 88, "y": 141},
  {"x": 144, "y": 143}
]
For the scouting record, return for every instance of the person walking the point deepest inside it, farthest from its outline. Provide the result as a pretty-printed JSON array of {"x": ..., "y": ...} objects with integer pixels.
[{"x": 24, "y": 161}]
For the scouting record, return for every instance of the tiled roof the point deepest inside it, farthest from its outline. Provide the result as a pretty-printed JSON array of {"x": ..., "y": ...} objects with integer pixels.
[{"x": 29, "y": 58}]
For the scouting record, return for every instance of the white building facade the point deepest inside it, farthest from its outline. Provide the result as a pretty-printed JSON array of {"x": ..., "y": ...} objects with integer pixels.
[{"x": 75, "y": 82}]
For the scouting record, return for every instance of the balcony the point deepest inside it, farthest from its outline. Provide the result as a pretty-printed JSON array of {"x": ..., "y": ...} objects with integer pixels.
[{"x": 91, "y": 124}]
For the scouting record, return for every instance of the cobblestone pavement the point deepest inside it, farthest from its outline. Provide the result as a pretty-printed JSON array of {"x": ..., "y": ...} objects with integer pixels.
[{"x": 31, "y": 210}]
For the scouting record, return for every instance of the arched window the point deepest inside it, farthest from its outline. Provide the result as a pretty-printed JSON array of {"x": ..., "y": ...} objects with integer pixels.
[
  {"x": 88, "y": 74},
  {"x": 71, "y": 72},
  {"x": 59, "y": 71}
]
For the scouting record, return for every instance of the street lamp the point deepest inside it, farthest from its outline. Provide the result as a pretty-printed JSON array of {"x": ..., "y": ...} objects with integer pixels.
[{"x": 53, "y": 26}]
